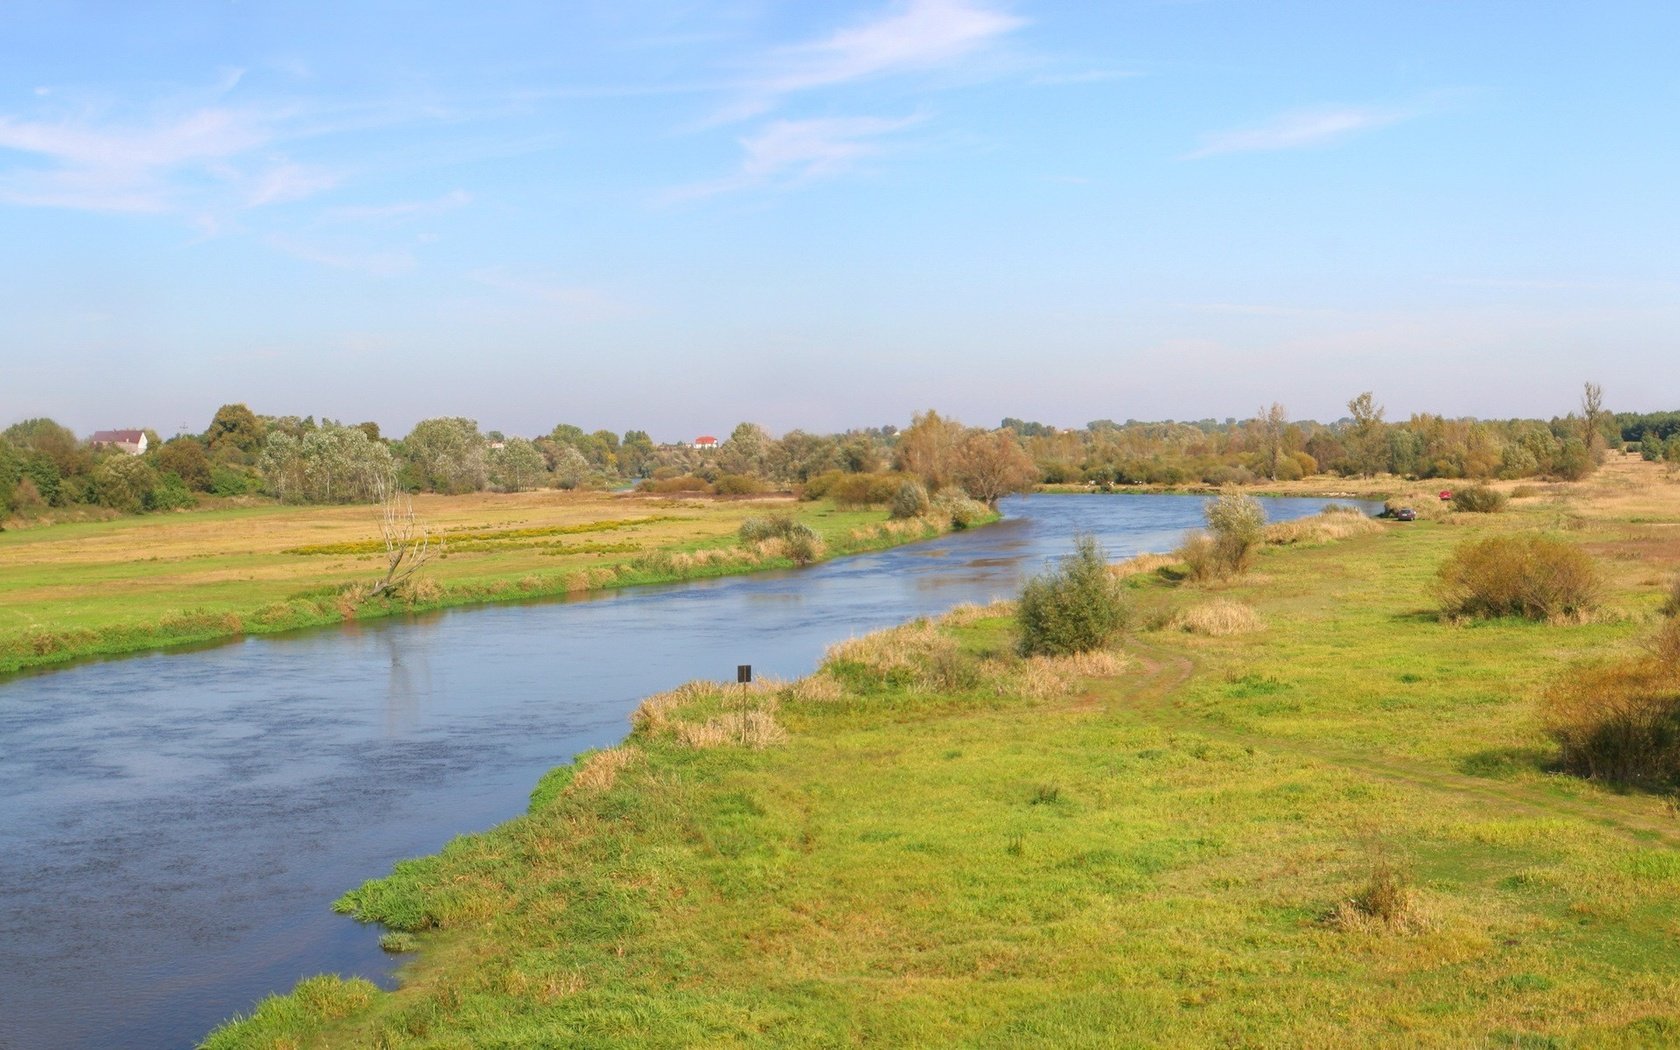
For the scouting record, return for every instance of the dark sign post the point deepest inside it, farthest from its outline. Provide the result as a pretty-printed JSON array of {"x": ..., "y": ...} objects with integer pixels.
[{"x": 743, "y": 674}]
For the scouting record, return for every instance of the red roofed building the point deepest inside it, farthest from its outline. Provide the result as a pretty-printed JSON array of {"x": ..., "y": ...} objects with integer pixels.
[
  {"x": 131, "y": 441},
  {"x": 705, "y": 442}
]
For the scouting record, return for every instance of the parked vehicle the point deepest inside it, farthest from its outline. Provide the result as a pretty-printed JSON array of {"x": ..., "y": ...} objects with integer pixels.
[{"x": 1405, "y": 514}]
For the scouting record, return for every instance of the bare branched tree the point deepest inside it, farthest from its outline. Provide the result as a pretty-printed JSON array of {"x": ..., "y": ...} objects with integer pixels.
[{"x": 408, "y": 542}]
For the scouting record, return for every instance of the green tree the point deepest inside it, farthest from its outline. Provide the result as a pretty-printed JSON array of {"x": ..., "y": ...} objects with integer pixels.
[
  {"x": 123, "y": 482},
  {"x": 235, "y": 432},
  {"x": 1367, "y": 437},
  {"x": 517, "y": 465},
  {"x": 447, "y": 455},
  {"x": 184, "y": 456}
]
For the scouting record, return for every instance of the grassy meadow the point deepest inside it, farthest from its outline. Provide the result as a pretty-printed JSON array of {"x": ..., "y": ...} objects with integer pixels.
[
  {"x": 103, "y": 587},
  {"x": 1295, "y": 809}
]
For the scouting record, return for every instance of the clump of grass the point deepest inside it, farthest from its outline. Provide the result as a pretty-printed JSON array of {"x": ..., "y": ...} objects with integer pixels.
[
  {"x": 819, "y": 688},
  {"x": 1529, "y": 576},
  {"x": 397, "y": 942},
  {"x": 711, "y": 714},
  {"x": 1388, "y": 903},
  {"x": 1140, "y": 564},
  {"x": 1047, "y": 795},
  {"x": 1620, "y": 721},
  {"x": 1478, "y": 499},
  {"x": 1328, "y": 525},
  {"x": 1218, "y": 618},
  {"x": 600, "y": 770},
  {"x": 1077, "y": 607}
]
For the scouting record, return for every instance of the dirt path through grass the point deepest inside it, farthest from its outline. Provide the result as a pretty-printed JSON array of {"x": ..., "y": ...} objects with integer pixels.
[{"x": 1164, "y": 671}]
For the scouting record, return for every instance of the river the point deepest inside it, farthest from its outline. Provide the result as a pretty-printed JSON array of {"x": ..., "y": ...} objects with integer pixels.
[{"x": 173, "y": 826}]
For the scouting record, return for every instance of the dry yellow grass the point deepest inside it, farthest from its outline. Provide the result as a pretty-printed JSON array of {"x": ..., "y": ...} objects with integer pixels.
[
  {"x": 1142, "y": 563},
  {"x": 1218, "y": 618},
  {"x": 1326, "y": 527},
  {"x": 600, "y": 770}
]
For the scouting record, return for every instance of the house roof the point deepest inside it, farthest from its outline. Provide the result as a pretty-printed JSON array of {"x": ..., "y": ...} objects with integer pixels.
[
  {"x": 117, "y": 437},
  {"x": 705, "y": 439}
]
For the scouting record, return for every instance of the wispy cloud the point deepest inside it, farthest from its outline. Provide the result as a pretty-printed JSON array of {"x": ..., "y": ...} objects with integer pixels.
[
  {"x": 1300, "y": 129},
  {"x": 124, "y": 168},
  {"x": 917, "y": 36},
  {"x": 789, "y": 152}
]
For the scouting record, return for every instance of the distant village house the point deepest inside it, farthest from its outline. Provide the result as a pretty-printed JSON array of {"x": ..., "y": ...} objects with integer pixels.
[
  {"x": 131, "y": 441},
  {"x": 705, "y": 443}
]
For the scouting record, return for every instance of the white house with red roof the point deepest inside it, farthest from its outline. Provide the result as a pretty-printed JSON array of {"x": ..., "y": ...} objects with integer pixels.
[
  {"x": 705, "y": 443},
  {"x": 131, "y": 441}
]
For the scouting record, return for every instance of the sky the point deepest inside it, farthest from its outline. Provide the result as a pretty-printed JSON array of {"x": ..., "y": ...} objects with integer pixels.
[{"x": 676, "y": 216}]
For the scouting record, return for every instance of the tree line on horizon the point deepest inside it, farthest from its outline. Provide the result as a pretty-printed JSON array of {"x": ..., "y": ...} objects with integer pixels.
[{"x": 44, "y": 465}]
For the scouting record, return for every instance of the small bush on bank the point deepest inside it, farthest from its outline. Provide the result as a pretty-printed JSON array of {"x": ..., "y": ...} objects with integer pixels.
[
  {"x": 1529, "y": 576},
  {"x": 1201, "y": 563},
  {"x": 1238, "y": 524},
  {"x": 911, "y": 501},
  {"x": 961, "y": 510},
  {"x": 1478, "y": 499},
  {"x": 1077, "y": 607},
  {"x": 1621, "y": 722},
  {"x": 798, "y": 540}
]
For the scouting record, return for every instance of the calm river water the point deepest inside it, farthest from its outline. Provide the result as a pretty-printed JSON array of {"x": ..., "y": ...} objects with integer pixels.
[{"x": 173, "y": 826}]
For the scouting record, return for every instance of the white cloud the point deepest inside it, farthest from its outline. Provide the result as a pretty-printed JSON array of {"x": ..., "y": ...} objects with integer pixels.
[
  {"x": 788, "y": 152},
  {"x": 182, "y": 163},
  {"x": 1299, "y": 129},
  {"x": 920, "y": 35}
]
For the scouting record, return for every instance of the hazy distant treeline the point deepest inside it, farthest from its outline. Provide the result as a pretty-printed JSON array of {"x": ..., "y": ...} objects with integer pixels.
[{"x": 241, "y": 453}]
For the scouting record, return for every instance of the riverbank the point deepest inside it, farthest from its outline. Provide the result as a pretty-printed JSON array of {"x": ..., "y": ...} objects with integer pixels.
[
  {"x": 107, "y": 588},
  {"x": 932, "y": 841}
]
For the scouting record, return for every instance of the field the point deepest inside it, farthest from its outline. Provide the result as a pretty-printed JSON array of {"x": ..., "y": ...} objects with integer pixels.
[
  {"x": 103, "y": 587},
  {"x": 1336, "y": 827}
]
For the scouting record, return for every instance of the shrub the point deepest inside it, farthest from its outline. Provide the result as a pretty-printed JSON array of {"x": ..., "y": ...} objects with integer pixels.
[
  {"x": 1236, "y": 527},
  {"x": 1530, "y": 576},
  {"x": 911, "y": 501},
  {"x": 739, "y": 485},
  {"x": 961, "y": 510},
  {"x": 755, "y": 530},
  {"x": 1478, "y": 499},
  {"x": 683, "y": 483},
  {"x": 1197, "y": 553},
  {"x": 1621, "y": 722},
  {"x": 1076, "y": 607}
]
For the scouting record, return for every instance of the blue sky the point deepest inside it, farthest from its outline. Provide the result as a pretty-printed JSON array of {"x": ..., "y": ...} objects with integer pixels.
[{"x": 676, "y": 216}]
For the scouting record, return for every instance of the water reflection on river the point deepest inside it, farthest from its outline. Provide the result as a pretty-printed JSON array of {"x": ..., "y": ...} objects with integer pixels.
[{"x": 173, "y": 826}]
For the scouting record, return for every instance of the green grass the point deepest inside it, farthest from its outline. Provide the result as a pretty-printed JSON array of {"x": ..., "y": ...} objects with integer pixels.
[
  {"x": 103, "y": 588},
  {"x": 1152, "y": 858}
]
